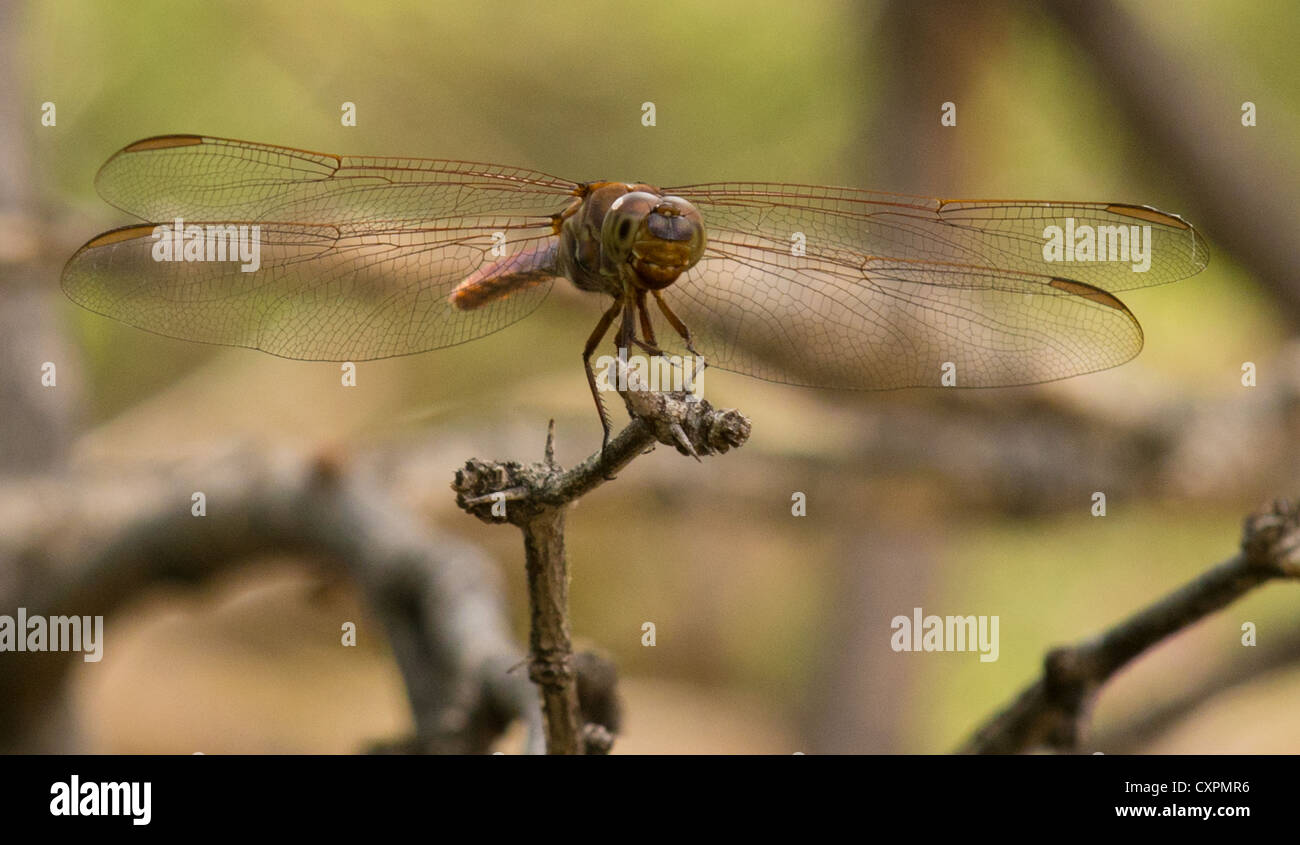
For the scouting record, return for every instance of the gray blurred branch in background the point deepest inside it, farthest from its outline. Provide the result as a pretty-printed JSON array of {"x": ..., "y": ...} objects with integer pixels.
[
  {"x": 1051, "y": 454},
  {"x": 36, "y": 423},
  {"x": 84, "y": 545},
  {"x": 1052, "y": 712}
]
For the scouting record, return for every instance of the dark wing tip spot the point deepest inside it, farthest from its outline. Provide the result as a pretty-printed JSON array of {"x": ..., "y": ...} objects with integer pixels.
[
  {"x": 1149, "y": 214},
  {"x": 164, "y": 142},
  {"x": 126, "y": 233},
  {"x": 1089, "y": 292}
]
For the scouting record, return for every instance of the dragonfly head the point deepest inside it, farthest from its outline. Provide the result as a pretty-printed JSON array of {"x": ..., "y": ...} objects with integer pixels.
[{"x": 660, "y": 237}]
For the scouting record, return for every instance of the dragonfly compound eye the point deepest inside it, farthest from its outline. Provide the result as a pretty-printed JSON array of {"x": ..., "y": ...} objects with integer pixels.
[
  {"x": 623, "y": 221},
  {"x": 670, "y": 242}
]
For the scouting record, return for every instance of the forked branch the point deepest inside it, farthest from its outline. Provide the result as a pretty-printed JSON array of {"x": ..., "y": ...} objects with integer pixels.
[{"x": 534, "y": 498}]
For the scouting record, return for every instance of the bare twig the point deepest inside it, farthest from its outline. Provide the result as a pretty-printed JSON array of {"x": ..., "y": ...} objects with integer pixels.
[
  {"x": 1052, "y": 711},
  {"x": 1275, "y": 654},
  {"x": 534, "y": 498}
]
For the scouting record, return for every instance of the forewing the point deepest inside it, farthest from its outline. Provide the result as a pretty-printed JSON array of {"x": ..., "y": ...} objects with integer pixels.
[
  {"x": 203, "y": 178},
  {"x": 1005, "y": 234}
]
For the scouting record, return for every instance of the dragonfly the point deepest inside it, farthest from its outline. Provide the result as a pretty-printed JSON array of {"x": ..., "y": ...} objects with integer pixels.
[{"x": 361, "y": 257}]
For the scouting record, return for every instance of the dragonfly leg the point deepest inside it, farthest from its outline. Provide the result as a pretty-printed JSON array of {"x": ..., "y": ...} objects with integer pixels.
[
  {"x": 652, "y": 345},
  {"x": 627, "y": 333},
  {"x": 681, "y": 329},
  {"x": 627, "y": 328},
  {"x": 676, "y": 323},
  {"x": 647, "y": 330},
  {"x": 597, "y": 335}
]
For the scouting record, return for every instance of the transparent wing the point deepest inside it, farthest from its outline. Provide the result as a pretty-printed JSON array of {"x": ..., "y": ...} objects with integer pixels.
[
  {"x": 889, "y": 289},
  {"x": 893, "y": 324},
  {"x": 203, "y": 178},
  {"x": 357, "y": 254},
  {"x": 327, "y": 293},
  {"x": 1007, "y": 234}
]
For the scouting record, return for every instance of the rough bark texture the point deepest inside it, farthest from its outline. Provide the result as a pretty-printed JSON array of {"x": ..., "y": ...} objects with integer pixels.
[{"x": 534, "y": 498}]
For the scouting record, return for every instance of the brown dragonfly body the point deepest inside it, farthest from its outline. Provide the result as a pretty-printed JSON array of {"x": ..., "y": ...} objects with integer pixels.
[
  {"x": 355, "y": 257},
  {"x": 619, "y": 239}
]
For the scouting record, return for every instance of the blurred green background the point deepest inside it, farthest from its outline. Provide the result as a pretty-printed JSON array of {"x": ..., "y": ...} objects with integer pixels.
[{"x": 773, "y": 631}]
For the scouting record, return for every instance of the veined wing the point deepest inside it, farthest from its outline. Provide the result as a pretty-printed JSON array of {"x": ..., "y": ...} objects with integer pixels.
[
  {"x": 203, "y": 178},
  {"x": 346, "y": 292},
  {"x": 1007, "y": 234},
  {"x": 357, "y": 254},
  {"x": 889, "y": 289},
  {"x": 891, "y": 323}
]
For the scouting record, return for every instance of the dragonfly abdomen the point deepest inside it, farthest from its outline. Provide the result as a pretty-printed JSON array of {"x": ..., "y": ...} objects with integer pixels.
[{"x": 502, "y": 278}]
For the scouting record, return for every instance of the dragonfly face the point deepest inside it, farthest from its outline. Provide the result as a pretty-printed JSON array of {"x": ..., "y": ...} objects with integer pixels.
[
  {"x": 618, "y": 235},
  {"x": 361, "y": 257},
  {"x": 658, "y": 237}
]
